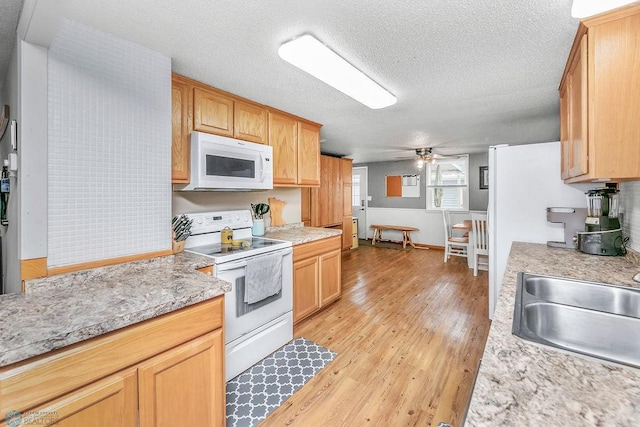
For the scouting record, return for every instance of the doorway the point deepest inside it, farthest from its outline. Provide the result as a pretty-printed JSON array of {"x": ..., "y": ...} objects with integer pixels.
[{"x": 359, "y": 196}]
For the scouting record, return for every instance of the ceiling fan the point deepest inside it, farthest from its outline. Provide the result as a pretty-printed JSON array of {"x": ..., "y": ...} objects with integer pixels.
[{"x": 425, "y": 155}]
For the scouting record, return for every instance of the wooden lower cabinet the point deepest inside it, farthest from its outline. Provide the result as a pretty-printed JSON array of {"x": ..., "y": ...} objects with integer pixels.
[
  {"x": 111, "y": 401},
  {"x": 162, "y": 372},
  {"x": 330, "y": 277},
  {"x": 174, "y": 385},
  {"x": 317, "y": 277},
  {"x": 306, "y": 288}
]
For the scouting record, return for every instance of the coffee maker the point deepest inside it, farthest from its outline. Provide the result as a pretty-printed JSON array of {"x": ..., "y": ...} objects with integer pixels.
[{"x": 602, "y": 235}]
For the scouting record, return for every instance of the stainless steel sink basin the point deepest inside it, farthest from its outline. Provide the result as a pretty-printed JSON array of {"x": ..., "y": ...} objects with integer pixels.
[
  {"x": 594, "y": 319},
  {"x": 594, "y": 296}
]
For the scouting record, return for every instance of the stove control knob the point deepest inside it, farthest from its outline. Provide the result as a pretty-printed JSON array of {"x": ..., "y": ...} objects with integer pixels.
[{"x": 199, "y": 220}]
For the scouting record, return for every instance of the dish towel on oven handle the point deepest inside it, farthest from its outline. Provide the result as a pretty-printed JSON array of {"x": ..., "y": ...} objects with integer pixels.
[{"x": 263, "y": 278}]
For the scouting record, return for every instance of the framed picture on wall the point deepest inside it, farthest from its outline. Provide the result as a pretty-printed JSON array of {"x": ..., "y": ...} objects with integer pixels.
[{"x": 484, "y": 177}]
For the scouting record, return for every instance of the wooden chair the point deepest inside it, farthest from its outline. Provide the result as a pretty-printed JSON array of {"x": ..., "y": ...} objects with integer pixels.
[
  {"x": 456, "y": 246},
  {"x": 480, "y": 241}
]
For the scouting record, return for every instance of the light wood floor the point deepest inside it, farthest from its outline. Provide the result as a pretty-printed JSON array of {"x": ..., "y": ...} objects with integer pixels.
[{"x": 409, "y": 331}]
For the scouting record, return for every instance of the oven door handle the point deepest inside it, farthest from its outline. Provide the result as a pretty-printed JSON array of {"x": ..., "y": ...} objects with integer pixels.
[{"x": 234, "y": 265}]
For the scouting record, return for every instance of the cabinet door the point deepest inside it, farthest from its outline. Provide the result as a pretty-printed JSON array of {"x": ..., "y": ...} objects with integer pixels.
[
  {"x": 614, "y": 103},
  {"x": 184, "y": 385},
  {"x": 250, "y": 122},
  {"x": 112, "y": 401},
  {"x": 308, "y": 154},
  {"x": 347, "y": 232},
  {"x": 305, "y": 288},
  {"x": 347, "y": 212},
  {"x": 305, "y": 206},
  {"x": 330, "y": 192},
  {"x": 330, "y": 277},
  {"x": 578, "y": 137},
  {"x": 347, "y": 171},
  {"x": 283, "y": 137},
  {"x": 180, "y": 145},
  {"x": 212, "y": 112},
  {"x": 565, "y": 154}
]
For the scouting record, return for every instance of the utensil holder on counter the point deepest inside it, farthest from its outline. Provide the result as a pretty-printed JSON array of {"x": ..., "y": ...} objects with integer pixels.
[
  {"x": 177, "y": 247},
  {"x": 258, "y": 227}
]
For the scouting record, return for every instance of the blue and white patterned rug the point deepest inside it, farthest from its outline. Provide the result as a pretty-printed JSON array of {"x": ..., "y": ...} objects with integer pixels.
[{"x": 256, "y": 392}]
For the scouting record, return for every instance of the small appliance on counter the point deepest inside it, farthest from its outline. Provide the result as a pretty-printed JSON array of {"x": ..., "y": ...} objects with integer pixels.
[
  {"x": 573, "y": 220},
  {"x": 602, "y": 235}
]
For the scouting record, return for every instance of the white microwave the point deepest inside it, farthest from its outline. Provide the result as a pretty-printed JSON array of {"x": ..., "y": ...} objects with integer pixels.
[{"x": 219, "y": 163}]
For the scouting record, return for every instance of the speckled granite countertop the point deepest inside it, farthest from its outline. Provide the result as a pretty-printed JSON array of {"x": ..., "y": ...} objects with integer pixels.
[
  {"x": 298, "y": 233},
  {"x": 522, "y": 384},
  {"x": 61, "y": 310}
]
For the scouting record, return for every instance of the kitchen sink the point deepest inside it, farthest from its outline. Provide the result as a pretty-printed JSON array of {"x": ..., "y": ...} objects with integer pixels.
[
  {"x": 594, "y": 319},
  {"x": 593, "y": 296}
]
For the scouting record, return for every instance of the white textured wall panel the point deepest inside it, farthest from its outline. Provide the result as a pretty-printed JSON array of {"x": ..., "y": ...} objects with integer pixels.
[
  {"x": 630, "y": 206},
  {"x": 109, "y": 147}
]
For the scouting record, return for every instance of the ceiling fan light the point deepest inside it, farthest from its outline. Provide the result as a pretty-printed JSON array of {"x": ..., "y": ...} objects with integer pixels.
[
  {"x": 313, "y": 57},
  {"x": 420, "y": 163}
]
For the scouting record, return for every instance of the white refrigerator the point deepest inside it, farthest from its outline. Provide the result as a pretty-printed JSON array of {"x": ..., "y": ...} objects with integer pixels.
[{"x": 524, "y": 180}]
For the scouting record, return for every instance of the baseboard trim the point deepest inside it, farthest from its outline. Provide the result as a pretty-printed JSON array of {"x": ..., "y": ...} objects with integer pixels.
[{"x": 427, "y": 246}]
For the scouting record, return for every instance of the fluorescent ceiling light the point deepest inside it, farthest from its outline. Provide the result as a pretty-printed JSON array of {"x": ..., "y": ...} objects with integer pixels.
[
  {"x": 308, "y": 54},
  {"x": 585, "y": 8}
]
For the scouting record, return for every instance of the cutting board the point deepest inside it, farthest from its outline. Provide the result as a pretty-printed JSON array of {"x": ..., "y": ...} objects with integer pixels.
[{"x": 275, "y": 207}]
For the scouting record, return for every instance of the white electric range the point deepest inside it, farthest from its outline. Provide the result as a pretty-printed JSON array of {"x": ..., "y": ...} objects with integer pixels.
[{"x": 252, "y": 331}]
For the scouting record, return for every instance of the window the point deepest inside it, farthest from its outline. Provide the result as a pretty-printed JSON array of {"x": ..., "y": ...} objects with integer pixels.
[
  {"x": 448, "y": 184},
  {"x": 355, "y": 190}
]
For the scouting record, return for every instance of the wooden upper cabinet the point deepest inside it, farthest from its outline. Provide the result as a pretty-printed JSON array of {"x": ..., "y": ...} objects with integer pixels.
[
  {"x": 308, "y": 154},
  {"x": 347, "y": 171},
  {"x": 250, "y": 122},
  {"x": 577, "y": 93},
  {"x": 283, "y": 137},
  {"x": 180, "y": 130},
  {"x": 600, "y": 99},
  {"x": 212, "y": 112},
  {"x": 329, "y": 196},
  {"x": 564, "y": 134},
  {"x": 201, "y": 108}
]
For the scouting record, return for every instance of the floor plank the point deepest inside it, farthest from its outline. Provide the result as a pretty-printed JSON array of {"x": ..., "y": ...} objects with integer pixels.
[{"x": 409, "y": 331}]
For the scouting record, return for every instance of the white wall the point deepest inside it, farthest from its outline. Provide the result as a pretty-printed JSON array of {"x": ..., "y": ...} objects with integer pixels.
[
  {"x": 478, "y": 199},
  {"x": 209, "y": 201},
  {"x": 32, "y": 151},
  {"x": 430, "y": 224},
  {"x": 109, "y": 157}
]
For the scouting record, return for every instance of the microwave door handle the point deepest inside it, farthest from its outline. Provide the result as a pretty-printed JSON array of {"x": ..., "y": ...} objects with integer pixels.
[{"x": 263, "y": 160}]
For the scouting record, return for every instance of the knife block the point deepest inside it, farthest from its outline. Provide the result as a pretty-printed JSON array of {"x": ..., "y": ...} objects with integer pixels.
[{"x": 177, "y": 247}]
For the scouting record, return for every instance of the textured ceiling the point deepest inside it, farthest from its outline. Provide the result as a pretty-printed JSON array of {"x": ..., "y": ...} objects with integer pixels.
[
  {"x": 467, "y": 74},
  {"x": 9, "y": 12}
]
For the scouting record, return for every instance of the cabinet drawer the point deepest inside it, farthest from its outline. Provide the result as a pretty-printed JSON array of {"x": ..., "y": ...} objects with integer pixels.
[
  {"x": 44, "y": 378},
  {"x": 315, "y": 248}
]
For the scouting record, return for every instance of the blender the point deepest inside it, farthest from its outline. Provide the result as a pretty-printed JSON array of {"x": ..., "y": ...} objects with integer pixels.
[{"x": 602, "y": 235}]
